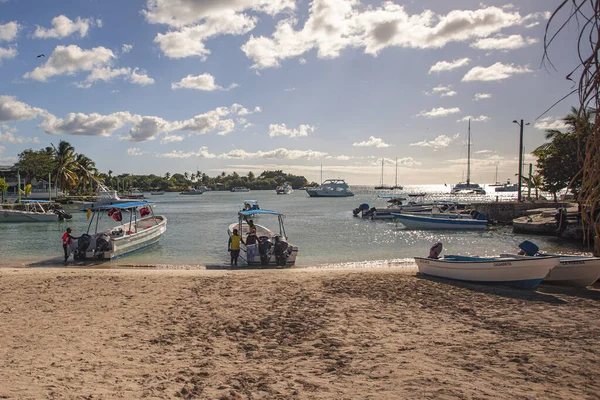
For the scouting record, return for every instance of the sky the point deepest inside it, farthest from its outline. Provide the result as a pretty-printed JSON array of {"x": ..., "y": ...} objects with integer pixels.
[{"x": 156, "y": 86}]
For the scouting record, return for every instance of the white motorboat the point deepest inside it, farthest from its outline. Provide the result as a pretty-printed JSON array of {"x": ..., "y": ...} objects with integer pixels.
[
  {"x": 286, "y": 188},
  {"x": 443, "y": 220},
  {"x": 250, "y": 205},
  {"x": 400, "y": 204},
  {"x": 507, "y": 187},
  {"x": 142, "y": 230},
  {"x": 573, "y": 270},
  {"x": 193, "y": 191},
  {"x": 273, "y": 249},
  {"x": 159, "y": 193},
  {"x": 331, "y": 188},
  {"x": 468, "y": 187},
  {"x": 29, "y": 211},
  {"x": 525, "y": 273},
  {"x": 239, "y": 189}
]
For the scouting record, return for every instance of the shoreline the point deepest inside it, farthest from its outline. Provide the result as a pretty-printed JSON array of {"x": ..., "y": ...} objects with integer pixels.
[{"x": 291, "y": 333}]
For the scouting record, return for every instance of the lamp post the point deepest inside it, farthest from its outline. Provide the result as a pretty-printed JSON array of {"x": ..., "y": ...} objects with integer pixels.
[{"x": 520, "y": 156}]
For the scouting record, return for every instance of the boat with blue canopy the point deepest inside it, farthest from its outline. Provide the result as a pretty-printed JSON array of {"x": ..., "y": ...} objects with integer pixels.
[
  {"x": 273, "y": 248},
  {"x": 143, "y": 229}
]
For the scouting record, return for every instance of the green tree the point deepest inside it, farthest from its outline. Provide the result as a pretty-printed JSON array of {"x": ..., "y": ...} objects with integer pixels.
[
  {"x": 34, "y": 164},
  {"x": 3, "y": 188},
  {"x": 66, "y": 166},
  {"x": 84, "y": 169}
]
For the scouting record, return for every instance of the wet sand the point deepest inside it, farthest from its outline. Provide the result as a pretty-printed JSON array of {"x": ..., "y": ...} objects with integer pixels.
[{"x": 305, "y": 334}]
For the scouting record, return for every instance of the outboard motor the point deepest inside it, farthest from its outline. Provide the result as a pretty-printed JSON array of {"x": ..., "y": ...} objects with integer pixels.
[
  {"x": 83, "y": 242},
  {"x": 357, "y": 210},
  {"x": 62, "y": 214},
  {"x": 281, "y": 252},
  {"x": 435, "y": 250},
  {"x": 264, "y": 247},
  {"x": 102, "y": 245}
]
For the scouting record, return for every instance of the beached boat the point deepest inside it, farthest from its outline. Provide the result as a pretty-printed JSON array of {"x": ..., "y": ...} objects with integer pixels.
[
  {"x": 31, "y": 211},
  {"x": 468, "y": 187},
  {"x": 331, "y": 188},
  {"x": 286, "y": 188},
  {"x": 525, "y": 273},
  {"x": 573, "y": 270},
  {"x": 443, "y": 220},
  {"x": 273, "y": 249},
  {"x": 141, "y": 231}
]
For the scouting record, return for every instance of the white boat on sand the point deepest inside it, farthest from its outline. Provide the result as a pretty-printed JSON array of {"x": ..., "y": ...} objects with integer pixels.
[
  {"x": 273, "y": 249},
  {"x": 139, "y": 232},
  {"x": 573, "y": 270},
  {"x": 523, "y": 273},
  {"x": 331, "y": 188}
]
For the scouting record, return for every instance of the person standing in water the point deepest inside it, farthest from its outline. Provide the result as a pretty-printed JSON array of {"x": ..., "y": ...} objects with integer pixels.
[
  {"x": 67, "y": 239},
  {"x": 234, "y": 247}
]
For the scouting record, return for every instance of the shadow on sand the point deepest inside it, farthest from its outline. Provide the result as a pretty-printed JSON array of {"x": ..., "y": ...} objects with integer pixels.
[
  {"x": 591, "y": 292},
  {"x": 498, "y": 290},
  {"x": 87, "y": 263},
  {"x": 227, "y": 267}
]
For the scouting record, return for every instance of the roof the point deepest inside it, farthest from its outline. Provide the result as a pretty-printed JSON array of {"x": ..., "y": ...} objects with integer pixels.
[
  {"x": 129, "y": 204},
  {"x": 247, "y": 213}
]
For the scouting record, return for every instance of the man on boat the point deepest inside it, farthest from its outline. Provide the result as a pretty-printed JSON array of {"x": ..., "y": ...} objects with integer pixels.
[
  {"x": 251, "y": 245},
  {"x": 67, "y": 239},
  {"x": 234, "y": 247}
]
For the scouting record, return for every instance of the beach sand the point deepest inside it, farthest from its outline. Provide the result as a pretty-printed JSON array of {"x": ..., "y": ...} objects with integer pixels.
[{"x": 70, "y": 333}]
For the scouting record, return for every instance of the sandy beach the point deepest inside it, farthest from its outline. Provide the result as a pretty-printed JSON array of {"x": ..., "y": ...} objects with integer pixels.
[{"x": 71, "y": 333}]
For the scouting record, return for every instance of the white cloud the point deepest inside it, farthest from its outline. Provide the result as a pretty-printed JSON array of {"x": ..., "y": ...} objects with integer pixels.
[
  {"x": 282, "y": 130},
  {"x": 9, "y": 31},
  {"x": 437, "y": 143},
  {"x": 86, "y": 124},
  {"x": 334, "y": 25},
  {"x": 550, "y": 123},
  {"x": 494, "y": 72},
  {"x": 204, "y": 82},
  {"x": 13, "y": 110},
  {"x": 126, "y": 48},
  {"x": 135, "y": 151},
  {"x": 11, "y": 52},
  {"x": 171, "y": 139},
  {"x": 148, "y": 128},
  {"x": 62, "y": 27},
  {"x": 70, "y": 60},
  {"x": 106, "y": 74},
  {"x": 445, "y": 91},
  {"x": 481, "y": 96},
  {"x": 140, "y": 78},
  {"x": 503, "y": 43},
  {"x": 278, "y": 154},
  {"x": 9, "y": 137},
  {"x": 372, "y": 142},
  {"x": 449, "y": 65},
  {"x": 438, "y": 112},
  {"x": 201, "y": 153},
  {"x": 481, "y": 118}
]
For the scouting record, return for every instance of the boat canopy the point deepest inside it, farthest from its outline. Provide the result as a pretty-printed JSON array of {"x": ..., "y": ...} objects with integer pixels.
[
  {"x": 34, "y": 201},
  {"x": 247, "y": 213},
  {"x": 130, "y": 204}
]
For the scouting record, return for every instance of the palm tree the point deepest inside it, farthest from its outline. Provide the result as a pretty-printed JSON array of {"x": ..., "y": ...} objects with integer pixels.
[
  {"x": 65, "y": 172},
  {"x": 168, "y": 176},
  {"x": 85, "y": 168},
  {"x": 574, "y": 122}
]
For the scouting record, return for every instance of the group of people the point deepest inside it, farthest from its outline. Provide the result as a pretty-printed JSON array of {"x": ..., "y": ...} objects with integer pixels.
[{"x": 251, "y": 243}]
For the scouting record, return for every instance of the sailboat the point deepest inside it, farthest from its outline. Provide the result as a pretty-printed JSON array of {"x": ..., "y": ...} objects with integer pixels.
[
  {"x": 468, "y": 187},
  {"x": 396, "y": 186},
  {"x": 382, "y": 186},
  {"x": 497, "y": 183}
]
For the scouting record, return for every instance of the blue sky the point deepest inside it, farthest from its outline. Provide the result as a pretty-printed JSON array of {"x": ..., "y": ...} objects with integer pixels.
[{"x": 156, "y": 86}]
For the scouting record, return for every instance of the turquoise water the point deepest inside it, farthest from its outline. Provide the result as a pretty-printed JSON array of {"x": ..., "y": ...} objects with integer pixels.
[{"x": 323, "y": 228}]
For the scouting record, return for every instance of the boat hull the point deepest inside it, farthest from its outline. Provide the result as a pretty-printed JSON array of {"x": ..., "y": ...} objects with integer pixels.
[
  {"x": 261, "y": 231},
  {"x": 573, "y": 270},
  {"x": 412, "y": 221},
  {"x": 520, "y": 273},
  {"x": 25, "y": 216},
  {"x": 328, "y": 193}
]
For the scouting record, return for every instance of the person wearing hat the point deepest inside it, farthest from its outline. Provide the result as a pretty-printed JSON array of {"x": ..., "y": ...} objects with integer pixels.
[
  {"x": 234, "y": 246},
  {"x": 67, "y": 239},
  {"x": 251, "y": 245}
]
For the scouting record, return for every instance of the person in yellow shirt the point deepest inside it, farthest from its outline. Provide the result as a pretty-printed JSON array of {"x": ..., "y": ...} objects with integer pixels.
[{"x": 234, "y": 246}]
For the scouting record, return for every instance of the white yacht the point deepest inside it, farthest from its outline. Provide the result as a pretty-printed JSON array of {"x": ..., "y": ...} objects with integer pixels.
[
  {"x": 330, "y": 188},
  {"x": 286, "y": 188}
]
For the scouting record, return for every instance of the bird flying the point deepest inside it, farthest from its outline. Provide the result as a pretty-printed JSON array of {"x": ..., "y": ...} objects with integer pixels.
[{"x": 41, "y": 55}]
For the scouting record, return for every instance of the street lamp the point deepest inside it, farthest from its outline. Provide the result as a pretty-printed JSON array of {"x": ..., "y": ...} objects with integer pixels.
[{"x": 520, "y": 156}]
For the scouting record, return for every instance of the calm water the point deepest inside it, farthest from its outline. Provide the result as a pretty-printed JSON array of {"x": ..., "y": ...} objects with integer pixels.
[{"x": 323, "y": 228}]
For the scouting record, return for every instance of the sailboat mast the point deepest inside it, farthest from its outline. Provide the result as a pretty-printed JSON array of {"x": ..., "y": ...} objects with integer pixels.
[
  {"x": 396, "y": 179},
  {"x": 321, "y": 173},
  {"x": 469, "y": 155},
  {"x": 381, "y": 171}
]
